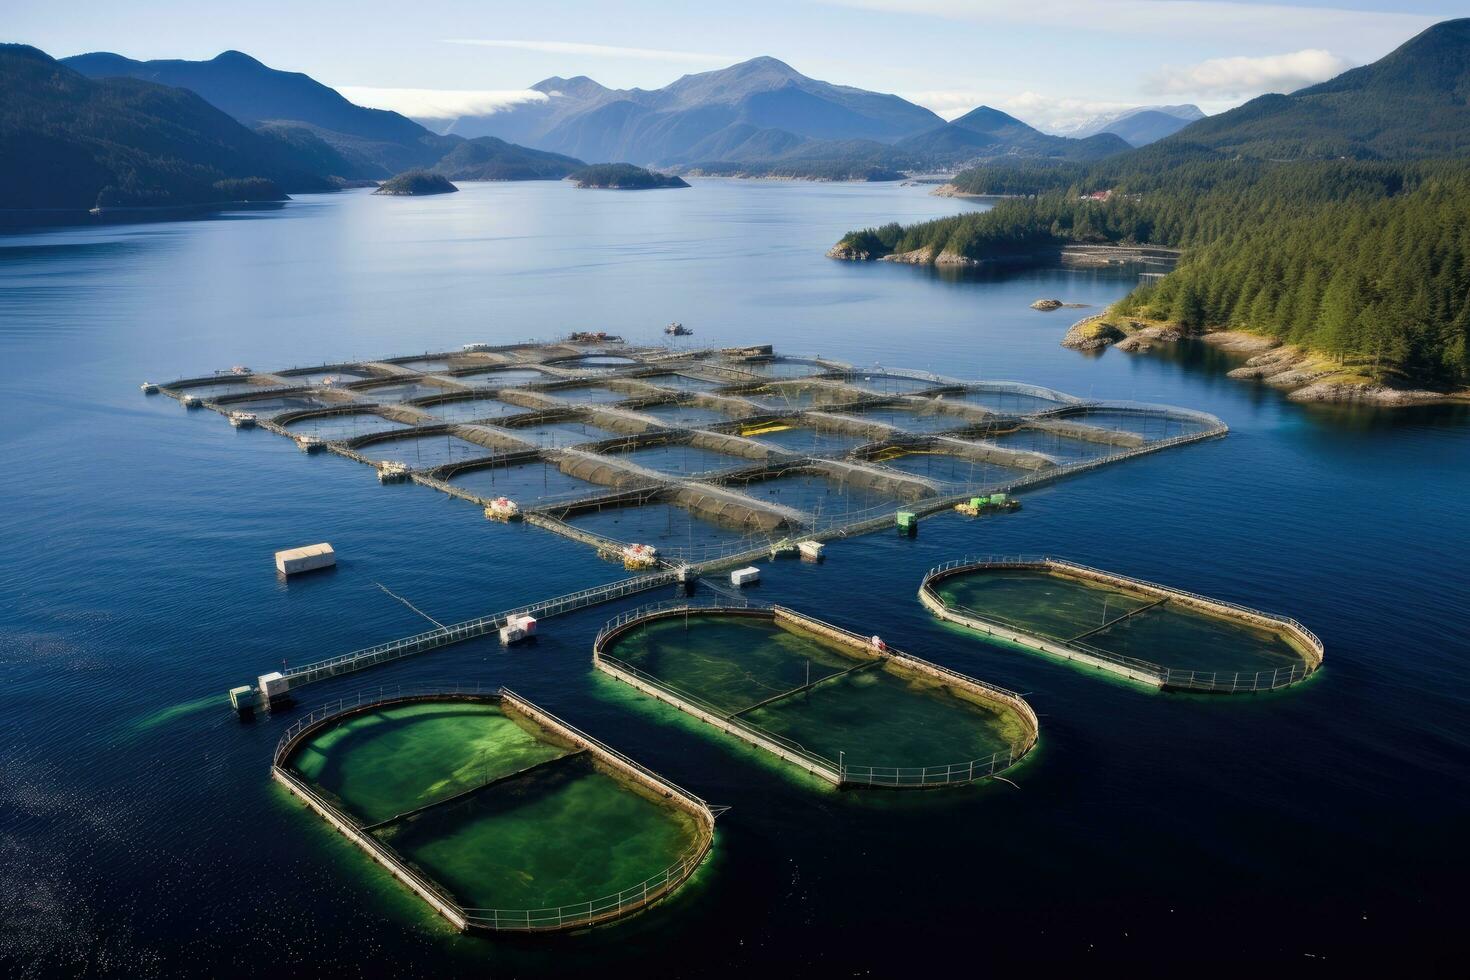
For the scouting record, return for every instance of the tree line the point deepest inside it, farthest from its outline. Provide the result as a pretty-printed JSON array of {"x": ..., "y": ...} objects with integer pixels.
[{"x": 1358, "y": 259}]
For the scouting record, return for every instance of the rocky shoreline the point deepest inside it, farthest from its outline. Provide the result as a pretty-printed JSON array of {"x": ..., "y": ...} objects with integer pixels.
[{"x": 1304, "y": 375}]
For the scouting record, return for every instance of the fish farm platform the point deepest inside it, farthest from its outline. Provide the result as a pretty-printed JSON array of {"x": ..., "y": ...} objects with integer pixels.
[
  {"x": 1122, "y": 625},
  {"x": 477, "y": 798},
  {"x": 710, "y": 456},
  {"x": 845, "y": 708}
]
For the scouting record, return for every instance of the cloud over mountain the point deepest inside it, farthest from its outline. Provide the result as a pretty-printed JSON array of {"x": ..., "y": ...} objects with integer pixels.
[{"x": 1243, "y": 76}]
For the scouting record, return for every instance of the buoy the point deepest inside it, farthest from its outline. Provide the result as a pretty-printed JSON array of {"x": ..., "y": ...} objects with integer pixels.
[
  {"x": 391, "y": 472},
  {"x": 639, "y": 556},
  {"x": 502, "y": 509}
]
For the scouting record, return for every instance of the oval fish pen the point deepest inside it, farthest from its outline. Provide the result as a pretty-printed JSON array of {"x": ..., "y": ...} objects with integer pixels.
[
  {"x": 500, "y": 816},
  {"x": 840, "y": 706},
  {"x": 1123, "y": 625}
]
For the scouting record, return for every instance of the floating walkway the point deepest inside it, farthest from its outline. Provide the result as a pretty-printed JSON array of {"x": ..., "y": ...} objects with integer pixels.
[
  {"x": 1044, "y": 604},
  {"x": 295, "y": 678},
  {"x": 500, "y": 790},
  {"x": 813, "y": 694}
]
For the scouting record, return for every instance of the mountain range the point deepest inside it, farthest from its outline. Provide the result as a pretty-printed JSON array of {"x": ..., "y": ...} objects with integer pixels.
[
  {"x": 297, "y": 109},
  {"x": 762, "y": 115},
  {"x": 72, "y": 143},
  {"x": 103, "y": 129},
  {"x": 1138, "y": 126}
]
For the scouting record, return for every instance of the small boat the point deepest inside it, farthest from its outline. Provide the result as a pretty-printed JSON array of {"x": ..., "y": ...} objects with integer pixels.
[{"x": 678, "y": 330}]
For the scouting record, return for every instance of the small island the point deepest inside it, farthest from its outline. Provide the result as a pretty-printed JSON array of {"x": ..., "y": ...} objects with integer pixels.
[
  {"x": 624, "y": 177},
  {"x": 416, "y": 183}
]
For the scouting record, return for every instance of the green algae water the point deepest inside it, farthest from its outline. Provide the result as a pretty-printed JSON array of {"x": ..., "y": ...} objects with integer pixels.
[
  {"x": 527, "y": 822},
  {"x": 566, "y": 833},
  {"x": 885, "y": 718},
  {"x": 388, "y": 761},
  {"x": 1060, "y": 607},
  {"x": 863, "y": 711},
  {"x": 730, "y": 662}
]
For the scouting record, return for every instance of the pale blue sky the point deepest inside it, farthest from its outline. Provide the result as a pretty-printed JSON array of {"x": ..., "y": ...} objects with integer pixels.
[{"x": 1047, "y": 61}]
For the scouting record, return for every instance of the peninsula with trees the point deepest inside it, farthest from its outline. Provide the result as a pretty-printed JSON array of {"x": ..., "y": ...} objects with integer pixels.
[{"x": 1326, "y": 233}]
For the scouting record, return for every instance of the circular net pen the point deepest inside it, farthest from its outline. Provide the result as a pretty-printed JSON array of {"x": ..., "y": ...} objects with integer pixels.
[
  {"x": 840, "y": 706},
  {"x": 1123, "y": 625},
  {"x": 500, "y": 816}
]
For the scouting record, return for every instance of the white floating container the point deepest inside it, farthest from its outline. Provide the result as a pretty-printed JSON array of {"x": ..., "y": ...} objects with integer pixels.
[
  {"x": 242, "y": 420},
  {"x": 149, "y": 388},
  {"x": 307, "y": 559},
  {"x": 273, "y": 685},
  {"x": 745, "y": 576},
  {"x": 511, "y": 634},
  {"x": 391, "y": 472},
  {"x": 811, "y": 550},
  {"x": 189, "y": 401},
  {"x": 640, "y": 556},
  {"x": 502, "y": 509},
  {"x": 309, "y": 444},
  {"x": 525, "y": 624}
]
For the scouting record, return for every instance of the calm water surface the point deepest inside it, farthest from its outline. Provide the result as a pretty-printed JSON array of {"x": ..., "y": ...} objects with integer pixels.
[{"x": 140, "y": 834}]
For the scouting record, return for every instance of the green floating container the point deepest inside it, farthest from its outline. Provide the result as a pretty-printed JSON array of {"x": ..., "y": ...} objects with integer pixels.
[
  {"x": 997, "y": 498},
  {"x": 979, "y": 501},
  {"x": 907, "y": 518}
]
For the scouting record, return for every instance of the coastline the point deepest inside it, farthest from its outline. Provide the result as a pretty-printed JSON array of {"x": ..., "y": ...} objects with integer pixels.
[
  {"x": 1305, "y": 375},
  {"x": 950, "y": 190}
]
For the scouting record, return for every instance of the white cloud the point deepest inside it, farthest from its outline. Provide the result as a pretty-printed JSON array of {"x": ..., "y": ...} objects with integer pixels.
[
  {"x": 432, "y": 103},
  {"x": 1216, "y": 21},
  {"x": 1245, "y": 77},
  {"x": 599, "y": 50},
  {"x": 1058, "y": 115}
]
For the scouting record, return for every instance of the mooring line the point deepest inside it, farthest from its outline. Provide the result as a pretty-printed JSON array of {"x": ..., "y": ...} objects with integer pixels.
[{"x": 409, "y": 605}]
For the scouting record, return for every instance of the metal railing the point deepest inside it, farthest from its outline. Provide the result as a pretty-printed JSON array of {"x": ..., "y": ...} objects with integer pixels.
[
  {"x": 1174, "y": 678},
  {"x": 407, "y": 646}
]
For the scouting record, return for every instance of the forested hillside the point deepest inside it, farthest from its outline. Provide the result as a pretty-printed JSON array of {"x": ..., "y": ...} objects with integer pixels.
[{"x": 1361, "y": 259}]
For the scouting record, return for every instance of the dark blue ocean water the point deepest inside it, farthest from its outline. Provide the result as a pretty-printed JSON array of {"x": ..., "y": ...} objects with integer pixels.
[{"x": 140, "y": 834}]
